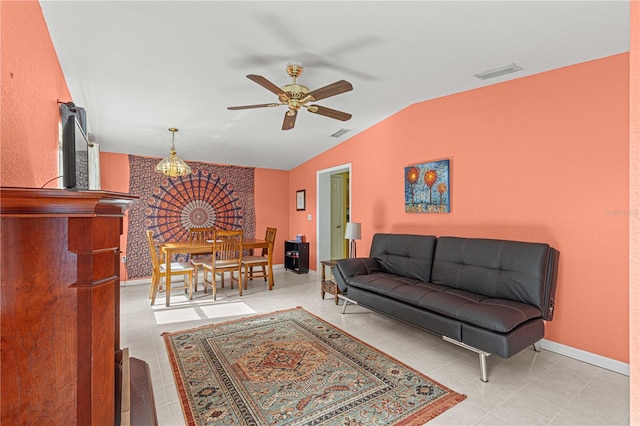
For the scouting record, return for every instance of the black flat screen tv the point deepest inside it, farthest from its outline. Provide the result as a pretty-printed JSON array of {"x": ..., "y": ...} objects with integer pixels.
[{"x": 75, "y": 162}]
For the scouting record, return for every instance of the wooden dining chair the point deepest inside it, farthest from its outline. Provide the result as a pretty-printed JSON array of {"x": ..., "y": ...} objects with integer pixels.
[
  {"x": 227, "y": 257},
  {"x": 159, "y": 270},
  {"x": 200, "y": 235},
  {"x": 262, "y": 261}
]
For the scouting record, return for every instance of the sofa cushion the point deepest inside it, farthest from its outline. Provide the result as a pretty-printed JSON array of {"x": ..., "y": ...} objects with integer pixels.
[
  {"x": 497, "y": 269},
  {"x": 491, "y": 313},
  {"x": 347, "y": 268},
  {"x": 409, "y": 256}
]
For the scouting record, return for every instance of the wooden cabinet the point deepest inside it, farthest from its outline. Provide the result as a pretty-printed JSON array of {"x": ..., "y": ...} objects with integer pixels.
[
  {"x": 296, "y": 256},
  {"x": 60, "y": 306}
]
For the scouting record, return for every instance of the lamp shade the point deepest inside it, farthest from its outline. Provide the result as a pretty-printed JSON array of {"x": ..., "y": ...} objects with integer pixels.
[
  {"x": 353, "y": 231},
  {"x": 173, "y": 165}
]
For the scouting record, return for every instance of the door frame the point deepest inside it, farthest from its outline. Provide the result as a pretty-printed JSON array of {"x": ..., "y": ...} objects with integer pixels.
[{"x": 323, "y": 209}]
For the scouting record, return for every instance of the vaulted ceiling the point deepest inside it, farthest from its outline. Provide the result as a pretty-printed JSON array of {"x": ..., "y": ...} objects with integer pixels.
[{"x": 140, "y": 67}]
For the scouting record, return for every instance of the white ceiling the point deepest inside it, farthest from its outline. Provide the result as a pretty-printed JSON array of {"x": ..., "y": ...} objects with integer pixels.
[{"x": 140, "y": 67}]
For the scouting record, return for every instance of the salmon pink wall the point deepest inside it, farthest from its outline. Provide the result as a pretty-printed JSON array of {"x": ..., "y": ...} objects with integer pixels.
[
  {"x": 539, "y": 158},
  {"x": 114, "y": 176},
  {"x": 634, "y": 210},
  {"x": 298, "y": 220},
  {"x": 272, "y": 209},
  {"x": 114, "y": 172},
  {"x": 32, "y": 84}
]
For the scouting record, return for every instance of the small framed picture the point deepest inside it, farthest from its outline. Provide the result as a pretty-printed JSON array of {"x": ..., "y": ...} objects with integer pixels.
[{"x": 300, "y": 200}]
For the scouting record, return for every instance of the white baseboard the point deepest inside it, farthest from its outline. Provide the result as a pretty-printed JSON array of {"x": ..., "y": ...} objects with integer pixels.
[
  {"x": 138, "y": 281},
  {"x": 584, "y": 356}
]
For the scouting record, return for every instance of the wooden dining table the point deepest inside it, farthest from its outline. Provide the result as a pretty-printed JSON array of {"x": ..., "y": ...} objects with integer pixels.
[{"x": 185, "y": 247}]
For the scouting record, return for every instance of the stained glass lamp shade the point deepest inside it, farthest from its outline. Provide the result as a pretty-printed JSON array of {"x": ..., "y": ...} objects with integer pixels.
[{"x": 173, "y": 165}]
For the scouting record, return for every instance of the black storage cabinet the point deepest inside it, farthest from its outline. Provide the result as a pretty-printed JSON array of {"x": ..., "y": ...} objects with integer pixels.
[{"x": 296, "y": 256}]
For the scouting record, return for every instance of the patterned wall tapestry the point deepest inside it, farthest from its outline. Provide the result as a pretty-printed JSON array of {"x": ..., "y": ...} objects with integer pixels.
[{"x": 212, "y": 195}]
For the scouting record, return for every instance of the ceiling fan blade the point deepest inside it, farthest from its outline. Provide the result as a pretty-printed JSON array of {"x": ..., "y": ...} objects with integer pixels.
[
  {"x": 268, "y": 85},
  {"x": 330, "y": 90},
  {"x": 253, "y": 106},
  {"x": 328, "y": 112},
  {"x": 289, "y": 120}
]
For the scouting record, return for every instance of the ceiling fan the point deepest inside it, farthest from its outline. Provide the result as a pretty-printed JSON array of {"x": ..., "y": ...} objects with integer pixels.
[{"x": 296, "y": 96}]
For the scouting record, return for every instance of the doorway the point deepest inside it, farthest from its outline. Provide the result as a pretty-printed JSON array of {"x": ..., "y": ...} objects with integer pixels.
[{"x": 333, "y": 209}]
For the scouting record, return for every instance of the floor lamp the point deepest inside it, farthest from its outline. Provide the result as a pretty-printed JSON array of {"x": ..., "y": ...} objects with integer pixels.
[{"x": 352, "y": 234}]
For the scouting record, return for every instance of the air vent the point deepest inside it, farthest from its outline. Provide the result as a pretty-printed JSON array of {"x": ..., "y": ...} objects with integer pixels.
[
  {"x": 340, "y": 133},
  {"x": 498, "y": 72}
]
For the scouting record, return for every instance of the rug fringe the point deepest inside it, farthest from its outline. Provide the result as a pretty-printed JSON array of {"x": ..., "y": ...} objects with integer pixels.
[
  {"x": 180, "y": 385},
  {"x": 437, "y": 408}
]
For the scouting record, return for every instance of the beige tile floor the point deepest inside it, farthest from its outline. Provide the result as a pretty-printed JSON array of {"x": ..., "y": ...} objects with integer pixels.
[{"x": 529, "y": 389}]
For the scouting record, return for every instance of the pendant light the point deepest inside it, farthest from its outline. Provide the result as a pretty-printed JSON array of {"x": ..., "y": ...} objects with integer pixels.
[{"x": 173, "y": 165}]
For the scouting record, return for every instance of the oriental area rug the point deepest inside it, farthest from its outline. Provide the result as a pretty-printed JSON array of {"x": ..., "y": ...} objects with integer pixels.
[{"x": 293, "y": 368}]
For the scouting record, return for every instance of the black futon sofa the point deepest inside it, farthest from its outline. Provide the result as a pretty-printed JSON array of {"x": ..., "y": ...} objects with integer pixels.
[{"x": 489, "y": 296}]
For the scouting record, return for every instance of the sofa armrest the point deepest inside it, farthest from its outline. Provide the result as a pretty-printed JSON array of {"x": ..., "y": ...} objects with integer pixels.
[
  {"x": 550, "y": 285},
  {"x": 347, "y": 268}
]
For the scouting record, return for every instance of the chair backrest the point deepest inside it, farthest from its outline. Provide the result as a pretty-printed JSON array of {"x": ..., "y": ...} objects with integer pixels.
[
  {"x": 155, "y": 260},
  {"x": 200, "y": 235},
  {"x": 270, "y": 237},
  {"x": 228, "y": 245}
]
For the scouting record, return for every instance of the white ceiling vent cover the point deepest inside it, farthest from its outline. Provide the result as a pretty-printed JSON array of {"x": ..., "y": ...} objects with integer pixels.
[
  {"x": 340, "y": 133},
  {"x": 498, "y": 72}
]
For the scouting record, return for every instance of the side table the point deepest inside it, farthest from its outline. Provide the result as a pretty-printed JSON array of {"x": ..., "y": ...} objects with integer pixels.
[{"x": 329, "y": 285}]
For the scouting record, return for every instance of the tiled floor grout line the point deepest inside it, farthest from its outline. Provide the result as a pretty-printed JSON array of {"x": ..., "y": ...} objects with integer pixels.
[
  {"x": 520, "y": 389},
  {"x": 575, "y": 395},
  {"x": 140, "y": 330}
]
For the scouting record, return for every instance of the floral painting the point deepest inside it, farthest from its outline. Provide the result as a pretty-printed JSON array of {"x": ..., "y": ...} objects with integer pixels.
[{"x": 426, "y": 188}]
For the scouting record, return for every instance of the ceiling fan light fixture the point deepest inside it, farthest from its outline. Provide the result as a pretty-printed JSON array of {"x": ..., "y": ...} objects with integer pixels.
[
  {"x": 340, "y": 133},
  {"x": 497, "y": 72},
  {"x": 173, "y": 166}
]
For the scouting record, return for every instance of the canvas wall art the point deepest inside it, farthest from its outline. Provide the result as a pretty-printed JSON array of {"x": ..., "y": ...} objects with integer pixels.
[{"x": 427, "y": 188}]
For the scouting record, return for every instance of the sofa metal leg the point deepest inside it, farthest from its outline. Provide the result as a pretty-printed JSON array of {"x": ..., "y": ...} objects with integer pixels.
[
  {"x": 483, "y": 367},
  {"x": 536, "y": 347},
  {"x": 483, "y": 356},
  {"x": 345, "y": 302}
]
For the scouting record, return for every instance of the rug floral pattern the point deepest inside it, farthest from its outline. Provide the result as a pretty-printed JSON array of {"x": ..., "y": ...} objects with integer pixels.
[{"x": 292, "y": 368}]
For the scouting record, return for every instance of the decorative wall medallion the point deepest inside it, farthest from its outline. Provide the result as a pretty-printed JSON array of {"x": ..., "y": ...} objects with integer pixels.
[{"x": 200, "y": 199}]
